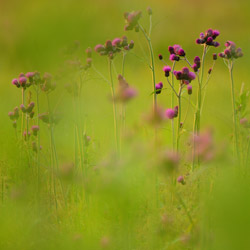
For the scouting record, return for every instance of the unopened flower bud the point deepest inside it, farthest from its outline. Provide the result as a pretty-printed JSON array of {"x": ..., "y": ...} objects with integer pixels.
[
  {"x": 189, "y": 89},
  {"x": 214, "y": 56},
  {"x": 181, "y": 180},
  {"x": 149, "y": 10}
]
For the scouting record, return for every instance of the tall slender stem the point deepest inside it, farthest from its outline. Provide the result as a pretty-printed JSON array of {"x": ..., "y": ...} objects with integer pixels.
[
  {"x": 114, "y": 106},
  {"x": 179, "y": 119},
  {"x": 236, "y": 145},
  {"x": 152, "y": 65},
  {"x": 38, "y": 141}
]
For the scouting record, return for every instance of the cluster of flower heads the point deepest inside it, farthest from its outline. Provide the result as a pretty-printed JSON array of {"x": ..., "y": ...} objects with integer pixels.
[
  {"x": 29, "y": 109},
  {"x": 184, "y": 75},
  {"x": 231, "y": 51},
  {"x": 34, "y": 131},
  {"x": 26, "y": 80},
  {"x": 132, "y": 19},
  {"x": 176, "y": 52},
  {"x": 124, "y": 91},
  {"x": 112, "y": 47},
  {"x": 209, "y": 38},
  {"x": 197, "y": 64},
  {"x": 14, "y": 115}
]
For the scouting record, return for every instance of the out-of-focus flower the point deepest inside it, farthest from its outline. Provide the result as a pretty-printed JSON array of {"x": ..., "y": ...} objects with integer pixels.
[
  {"x": 181, "y": 180},
  {"x": 124, "y": 91},
  {"x": 231, "y": 52},
  {"x": 170, "y": 113},
  {"x": 132, "y": 19}
]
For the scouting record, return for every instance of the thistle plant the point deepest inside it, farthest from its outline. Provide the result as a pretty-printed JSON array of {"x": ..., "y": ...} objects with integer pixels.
[
  {"x": 230, "y": 54},
  {"x": 111, "y": 49}
]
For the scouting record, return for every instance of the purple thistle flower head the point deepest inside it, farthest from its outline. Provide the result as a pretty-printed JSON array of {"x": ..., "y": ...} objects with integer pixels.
[
  {"x": 181, "y": 180},
  {"x": 178, "y": 75},
  {"x": 160, "y": 56},
  {"x": 170, "y": 113},
  {"x": 30, "y": 74},
  {"x": 116, "y": 42},
  {"x": 195, "y": 67},
  {"x": 214, "y": 56},
  {"x": 239, "y": 52},
  {"x": 15, "y": 82},
  {"x": 191, "y": 76},
  {"x": 185, "y": 70},
  {"x": 209, "y": 32},
  {"x": 215, "y": 33},
  {"x": 181, "y": 52},
  {"x": 22, "y": 81},
  {"x": 99, "y": 48},
  {"x": 221, "y": 54},
  {"x": 171, "y": 49},
  {"x": 158, "y": 87},
  {"x": 197, "y": 60},
  {"x": 176, "y": 47},
  {"x": 167, "y": 70},
  {"x": 215, "y": 44},
  {"x": 189, "y": 89},
  {"x": 202, "y": 35},
  {"x": 198, "y": 41},
  {"x": 209, "y": 40},
  {"x": 174, "y": 57}
]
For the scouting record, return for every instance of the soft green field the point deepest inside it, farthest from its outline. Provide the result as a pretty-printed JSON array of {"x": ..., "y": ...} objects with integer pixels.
[{"x": 127, "y": 203}]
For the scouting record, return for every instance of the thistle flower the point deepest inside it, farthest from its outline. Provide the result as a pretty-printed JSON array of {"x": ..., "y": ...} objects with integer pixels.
[
  {"x": 170, "y": 114},
  {"x": 167, "y": 70},
  {"x": 22, "y": 107},
  {"x": 181, "y": 180},
  {"x": 30, "y": 107},
  {"x": 149, "y": 10},
  {"x": 160, "y": 56},
  {"x": 111, "y": 48},
  {"x": 185, "y": 75},
  {"x": 176, "y": 52},
  {"x": 231, "y": 52},
  {"x": 22, "y": 81},
  {"x": 189, "y": 89},
  {"x": 158, "y": 87},
  {"x": 214, "y": 56},
  {"x": 35, "y": 129},
  {"x": 16, "y": 83},
  {"x": 124, "y": 91},
  {"x": 208, "y": 38}
]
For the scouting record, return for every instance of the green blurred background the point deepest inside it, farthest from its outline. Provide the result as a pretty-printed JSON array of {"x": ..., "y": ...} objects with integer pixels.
[
  {"x": 33, "y": 36},
  {"x": 34, "y": 33}
]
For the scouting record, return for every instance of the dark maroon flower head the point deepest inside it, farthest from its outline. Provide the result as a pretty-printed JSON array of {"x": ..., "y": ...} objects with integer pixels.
[
  {"x": 160, "y": 56},
  {"x": 214, "y": 56},
  {"x": 185, "y": 70},
  {"x": 176, "y": 111},
  {"x": 195, "y": 67},
  {"x": 171, "y": 49},
  {"x": 181, "y": 52}
]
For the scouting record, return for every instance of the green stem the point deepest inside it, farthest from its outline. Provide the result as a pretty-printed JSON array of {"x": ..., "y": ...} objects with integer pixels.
[
  {"x": 236, "y": 145},
  {"x": 38, "y": 142},
  {"x": 179, "y": 119},
  {"x": 114, "y": 106}
]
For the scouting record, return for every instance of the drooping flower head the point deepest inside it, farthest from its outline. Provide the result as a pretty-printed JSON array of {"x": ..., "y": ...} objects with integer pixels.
[
  {"x": 231, "y": 52},
  {"x": 209, "y": 38}
]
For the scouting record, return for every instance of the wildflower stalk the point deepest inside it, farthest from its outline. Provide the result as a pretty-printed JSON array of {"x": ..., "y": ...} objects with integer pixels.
[
  {"x": 152, "y": 67},
  {"x": 114, "y": 106},
  {"x": 172, "y": 103},
  {"x": 23, "y": 102},
  {"x": 179, "y": 118},
  {"x": 52, "y": 148},
  {"x": 236, "y": 145},
  {"x": 38, "y": 141}
]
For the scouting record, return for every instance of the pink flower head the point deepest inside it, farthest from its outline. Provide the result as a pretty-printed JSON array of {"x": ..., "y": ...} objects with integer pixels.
[
  {"x": 99, "y": 48},
  {"x": 30, "y": 74},
  {"x": 170, "y": 113},
  {"x": 167, "y": 69},
  {"x": 15, "y": 82},
  {"x": 191, "y": 75},
  {"x": 158, "y": 87},
  {"x": 116, "y": 42},
  {"x": 22, "y": 81},
  {"x": 181, "y": 180}
]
